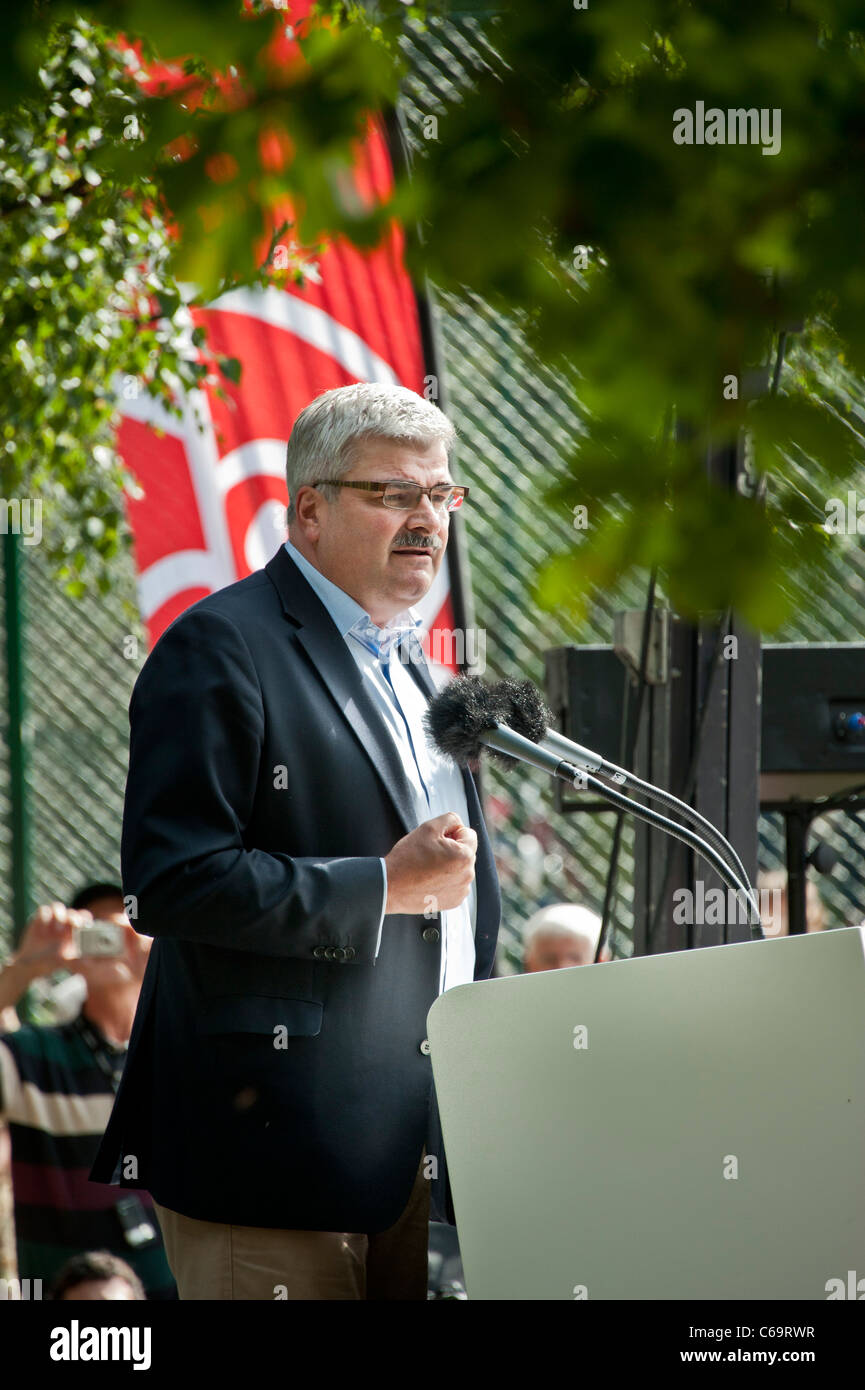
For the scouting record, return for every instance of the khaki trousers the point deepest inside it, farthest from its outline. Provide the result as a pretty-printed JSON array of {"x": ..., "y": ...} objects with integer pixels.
[{"x": 210, "y": 1260}]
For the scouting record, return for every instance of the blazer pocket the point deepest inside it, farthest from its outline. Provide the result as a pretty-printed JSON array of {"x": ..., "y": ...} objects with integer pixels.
[{"x": 250, "y": 1013}]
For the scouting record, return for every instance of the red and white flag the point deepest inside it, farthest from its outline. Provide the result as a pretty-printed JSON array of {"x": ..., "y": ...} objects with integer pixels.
[{"x": 214, "y": 486}]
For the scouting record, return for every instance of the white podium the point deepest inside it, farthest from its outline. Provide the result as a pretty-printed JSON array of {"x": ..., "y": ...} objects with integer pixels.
[{"x": 684, "y": 1126}]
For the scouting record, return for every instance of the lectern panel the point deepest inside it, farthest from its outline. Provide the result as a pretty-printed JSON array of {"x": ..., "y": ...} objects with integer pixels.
[{"x": 674, "y": 1127}]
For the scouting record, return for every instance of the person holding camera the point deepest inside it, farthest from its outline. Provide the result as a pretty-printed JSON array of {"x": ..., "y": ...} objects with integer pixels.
[{"x": 57, "y": 1087}]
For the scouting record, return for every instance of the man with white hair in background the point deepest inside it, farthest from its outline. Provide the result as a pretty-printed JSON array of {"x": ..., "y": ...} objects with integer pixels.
[{"x": 560, "y": 936}]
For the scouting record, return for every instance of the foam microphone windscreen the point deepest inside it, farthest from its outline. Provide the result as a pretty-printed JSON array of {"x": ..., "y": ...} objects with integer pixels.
[
  {"x": 459, "y": 714},
  {"x": 523, "y": 708}
]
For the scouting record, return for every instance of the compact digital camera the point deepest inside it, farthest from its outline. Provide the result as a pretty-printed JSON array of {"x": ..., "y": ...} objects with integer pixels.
[{"x": 100, "y": 939}]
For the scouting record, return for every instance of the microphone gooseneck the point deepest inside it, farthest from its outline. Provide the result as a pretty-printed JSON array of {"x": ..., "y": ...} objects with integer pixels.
[
  {"x": 469, "y": 716},
  {"x": 526, "y": 712}
]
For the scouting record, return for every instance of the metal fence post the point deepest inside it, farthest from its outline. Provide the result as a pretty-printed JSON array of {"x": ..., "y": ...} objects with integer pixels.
[{"x": 13, "y": 624}]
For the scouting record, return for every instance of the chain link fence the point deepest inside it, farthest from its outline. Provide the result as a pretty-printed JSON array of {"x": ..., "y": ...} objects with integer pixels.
[{"x": 78, "y": 682}]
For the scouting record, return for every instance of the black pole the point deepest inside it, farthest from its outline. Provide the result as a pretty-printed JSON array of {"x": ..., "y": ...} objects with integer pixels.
[
  {"x": 19, "y": 818},
  {"x": 797, "y": 820}
]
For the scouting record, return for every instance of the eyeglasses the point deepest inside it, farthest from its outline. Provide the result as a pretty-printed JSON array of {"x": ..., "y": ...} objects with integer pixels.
[{"x": 405, "y": 496}]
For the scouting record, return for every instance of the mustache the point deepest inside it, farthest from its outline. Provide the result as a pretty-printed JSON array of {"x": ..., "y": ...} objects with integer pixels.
[{"x": 412, "y": 541}]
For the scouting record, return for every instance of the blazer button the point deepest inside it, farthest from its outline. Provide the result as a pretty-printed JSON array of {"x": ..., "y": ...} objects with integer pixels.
[
  {"x": 328, "y": 953},
  {"x": 338, "y": 953},
  {"x": 348, "y": 953},
  {"x": 430, "y": 933},
  {"x": 318, "y": 952},
  {"x": 425, "y": 1047}
]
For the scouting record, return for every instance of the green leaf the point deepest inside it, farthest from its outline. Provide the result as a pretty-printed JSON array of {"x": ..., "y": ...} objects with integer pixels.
[{"x": 231, "y": 368}]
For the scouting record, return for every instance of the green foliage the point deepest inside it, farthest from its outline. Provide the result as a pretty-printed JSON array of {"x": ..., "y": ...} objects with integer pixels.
[
  {"x": 88, "y": 307},
  {"x": 92, "y": 310},
  {"x": 255, "y": 128},
  {"x": 121, "y": 210},
  {"x": 647, "y": 273},
  {"x": 696, "y": 258}
]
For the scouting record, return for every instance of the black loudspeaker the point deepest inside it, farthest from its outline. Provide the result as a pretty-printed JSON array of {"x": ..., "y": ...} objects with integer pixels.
[{"x": 812, "y": 714}]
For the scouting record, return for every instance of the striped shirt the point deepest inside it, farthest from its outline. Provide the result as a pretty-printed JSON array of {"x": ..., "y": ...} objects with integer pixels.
[{"x": 56, "y": 1093}]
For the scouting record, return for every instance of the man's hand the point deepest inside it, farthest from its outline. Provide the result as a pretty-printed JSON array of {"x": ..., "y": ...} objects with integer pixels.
[
  {"x": 436, "y": 861},
  {"x": 47, "y": 944}
]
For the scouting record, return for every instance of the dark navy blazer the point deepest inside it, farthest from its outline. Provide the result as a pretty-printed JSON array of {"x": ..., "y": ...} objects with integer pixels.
[{"x": 269, "y": 1084}]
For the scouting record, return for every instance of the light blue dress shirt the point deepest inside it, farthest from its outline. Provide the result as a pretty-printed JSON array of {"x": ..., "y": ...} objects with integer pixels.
[{"x": 435, "y": 781}]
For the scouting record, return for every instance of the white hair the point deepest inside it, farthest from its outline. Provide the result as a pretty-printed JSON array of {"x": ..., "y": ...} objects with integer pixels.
[
  {"x": 563, "y": 920},
  {"x": 325, "y": 434}
]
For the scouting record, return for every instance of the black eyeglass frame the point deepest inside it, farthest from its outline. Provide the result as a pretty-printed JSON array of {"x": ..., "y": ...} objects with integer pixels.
[{"x": 457, "y": 489}]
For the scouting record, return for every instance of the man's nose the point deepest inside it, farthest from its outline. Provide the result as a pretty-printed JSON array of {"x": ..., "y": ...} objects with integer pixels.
[{"x": 427, "y": 514}]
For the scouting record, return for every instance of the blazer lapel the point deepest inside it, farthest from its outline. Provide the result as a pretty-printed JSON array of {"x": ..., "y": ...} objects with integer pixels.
[{"x": 336, "y": 668}]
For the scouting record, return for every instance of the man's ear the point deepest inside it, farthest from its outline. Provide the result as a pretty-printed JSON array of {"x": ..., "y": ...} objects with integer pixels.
[{"x": 308, "y": 508}]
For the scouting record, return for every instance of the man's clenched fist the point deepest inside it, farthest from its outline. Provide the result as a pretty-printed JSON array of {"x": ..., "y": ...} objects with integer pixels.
[{"x": 437, "y": 860}]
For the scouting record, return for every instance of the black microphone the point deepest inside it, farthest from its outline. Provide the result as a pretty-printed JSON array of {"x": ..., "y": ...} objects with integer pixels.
[{"x": 468, "y": 716}]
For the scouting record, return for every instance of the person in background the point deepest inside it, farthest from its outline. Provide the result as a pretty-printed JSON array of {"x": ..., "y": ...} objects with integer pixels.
[
  {"x": 97, "y": 1276},
  {"x": 57, "y": 1087},
  {"x": 560, "y": 936},
  {"x": 772, "y": 890}
]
